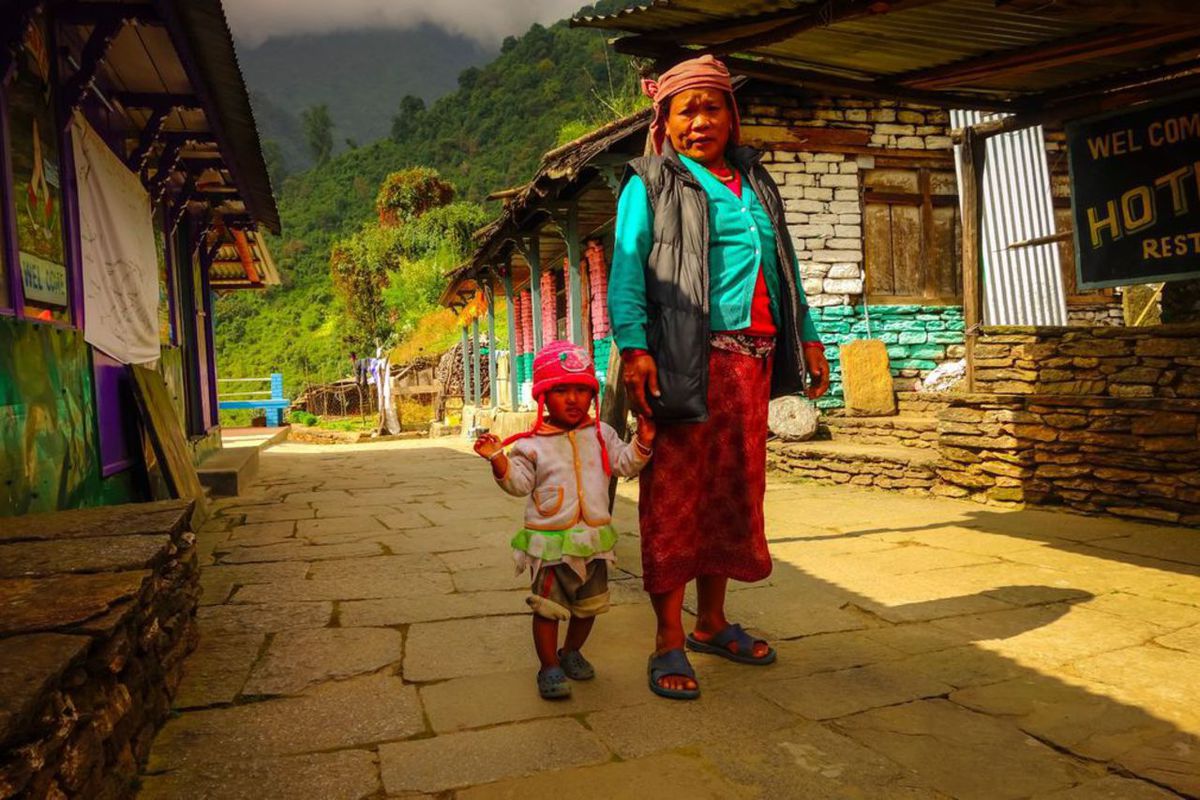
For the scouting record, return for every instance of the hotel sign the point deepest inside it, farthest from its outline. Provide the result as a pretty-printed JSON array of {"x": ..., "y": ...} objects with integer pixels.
[
  {"x": 1135, "y": 195},
  {"x": 43, "y": 281}
]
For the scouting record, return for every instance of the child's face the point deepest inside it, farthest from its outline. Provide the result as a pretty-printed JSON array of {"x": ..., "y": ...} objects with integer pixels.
[{"x": 568, "y": 404}]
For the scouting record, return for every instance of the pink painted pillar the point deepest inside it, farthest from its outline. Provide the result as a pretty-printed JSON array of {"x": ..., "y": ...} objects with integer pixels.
[{"x": 549, "y": 309}]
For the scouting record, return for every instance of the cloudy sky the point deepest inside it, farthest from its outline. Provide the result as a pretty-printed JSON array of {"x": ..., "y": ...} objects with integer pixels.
[{"x": 487, "y": 21}]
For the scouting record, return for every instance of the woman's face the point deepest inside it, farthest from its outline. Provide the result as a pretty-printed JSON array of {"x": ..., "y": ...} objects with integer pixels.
[{"x": 700, "y": 122}]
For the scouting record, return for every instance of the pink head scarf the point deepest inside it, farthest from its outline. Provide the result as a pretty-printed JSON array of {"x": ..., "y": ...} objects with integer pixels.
[{"x": 705, "y": 72}]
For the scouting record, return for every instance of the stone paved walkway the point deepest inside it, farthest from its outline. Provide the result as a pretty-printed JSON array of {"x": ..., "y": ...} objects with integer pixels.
[{"x": 363, "y": 636}]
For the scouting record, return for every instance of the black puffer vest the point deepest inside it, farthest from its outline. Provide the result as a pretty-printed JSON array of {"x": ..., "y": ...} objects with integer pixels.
[{"x": 677, "y": 329}]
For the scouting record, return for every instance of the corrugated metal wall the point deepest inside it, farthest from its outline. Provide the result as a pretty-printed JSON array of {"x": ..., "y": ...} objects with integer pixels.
[{"x": 1022, "y": 286}]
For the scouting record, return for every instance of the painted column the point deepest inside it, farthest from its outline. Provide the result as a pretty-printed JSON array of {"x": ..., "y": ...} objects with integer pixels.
[
  {"x": 548, "y": 309},
  {"x": 466, "y": 359},
  {"x": 528, "y": 318},
  {"x": 493, "y": 383},
  {"x": 476, "y": 383},
  {"x": 574, "y": 284},
  {"x": 513, "y": 354},
  {"x": 533, "y": 254}
]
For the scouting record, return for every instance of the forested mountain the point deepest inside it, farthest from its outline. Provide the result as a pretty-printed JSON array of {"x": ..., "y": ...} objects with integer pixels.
[
  {"x": 486, "y": 135},
  {"x": 359, "y": 75}
]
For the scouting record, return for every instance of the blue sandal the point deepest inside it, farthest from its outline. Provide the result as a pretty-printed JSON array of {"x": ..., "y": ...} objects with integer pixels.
[
  {"x": 575, "y": 665},
  {"x": 718, "y": 645},
  {"x": 672, "y": 662},
  {"x": 552, "y": 684}
]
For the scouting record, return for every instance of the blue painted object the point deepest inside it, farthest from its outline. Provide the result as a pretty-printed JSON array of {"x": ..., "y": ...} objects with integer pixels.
[{"x": 274, "y": 407}]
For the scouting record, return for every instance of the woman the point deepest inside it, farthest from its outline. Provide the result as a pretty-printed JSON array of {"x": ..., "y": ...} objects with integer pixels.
[{"x": 708, "y": 310}]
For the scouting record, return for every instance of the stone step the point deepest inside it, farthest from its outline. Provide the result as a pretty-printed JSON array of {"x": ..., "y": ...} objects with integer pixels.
[
  {"x": 922, "y": 403},
  {"x": 906, "y": 469},
  {"x": 229, "y": 470},
  {"x": 907, "y": 430}
]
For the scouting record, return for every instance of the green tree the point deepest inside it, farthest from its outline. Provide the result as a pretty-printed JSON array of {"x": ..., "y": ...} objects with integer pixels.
[
  {"x": 408, "y": 194},
  {"x": 318, "y": 132},
  {"x": 276, "y": 165},
  {"x": 405, "y": 123}
]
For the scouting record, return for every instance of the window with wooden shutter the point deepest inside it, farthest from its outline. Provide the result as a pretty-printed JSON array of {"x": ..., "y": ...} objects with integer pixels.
[{"x": 912, "y": 236}]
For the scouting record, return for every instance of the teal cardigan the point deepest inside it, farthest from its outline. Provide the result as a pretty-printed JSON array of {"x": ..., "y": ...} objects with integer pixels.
[{"x": 741, "y": 238}]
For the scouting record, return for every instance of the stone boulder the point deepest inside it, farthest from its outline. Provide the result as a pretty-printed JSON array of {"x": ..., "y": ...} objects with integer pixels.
[{"x": 792, "y": 418}]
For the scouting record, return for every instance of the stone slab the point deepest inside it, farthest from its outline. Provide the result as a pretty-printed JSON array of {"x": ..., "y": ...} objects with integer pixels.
[
  {"x": 31, "y": 665},
  {"x": 159, "y": 517},
  {"x": 829, "y": 695},
  {"x": 1110, "y": 787},
  {"x": 344, "y": 775},
  {"x": 218, "y": 582},
  {"x": 359, "y": 712},
  {"x": 809, "y": 761},
  {"x": 28, "y": 605},
  {"x": 867, "y": 379},
  {"x": 319, "y": 527},
  {"x": 962, "y": 753},
  {"x": 458, "y": 760},
  {"x": 440, "y": 650},
  {"x": 430, "y": 608},
  {"x": 343, "y": 589},
  {"x": 100, "y": 554},
  {"x": 298, "y": 659},
  {"x": 235, "y": 618},
  {"x": 299, "y": 551},
  {"x": 634, "y": 731},
  {"x": 1187, "y": 640},
  {"x": 377, "y": 568},
  {"x": 666, "y": 775},
  {"x": 1076, "y": 718},
  {"x": 216, "y": 671}
]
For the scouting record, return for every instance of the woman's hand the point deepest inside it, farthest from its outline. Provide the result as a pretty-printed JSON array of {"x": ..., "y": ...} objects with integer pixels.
[
  {"x": 818, "y": 369},
  {"x": 639, "y": 374},
  {"x": 646, "y": 431},
  {"x": 487, "y": 445}
]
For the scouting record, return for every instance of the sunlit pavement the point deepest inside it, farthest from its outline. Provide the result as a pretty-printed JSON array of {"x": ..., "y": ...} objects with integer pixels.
[{"x": 363, "y": 635}]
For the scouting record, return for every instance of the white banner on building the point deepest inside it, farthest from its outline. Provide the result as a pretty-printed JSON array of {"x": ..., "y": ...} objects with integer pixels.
[{"x": 120, "y": 264}]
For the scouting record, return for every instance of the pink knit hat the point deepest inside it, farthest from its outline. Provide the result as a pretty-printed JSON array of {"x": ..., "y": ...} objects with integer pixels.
[{"x": 562, "y": 363}]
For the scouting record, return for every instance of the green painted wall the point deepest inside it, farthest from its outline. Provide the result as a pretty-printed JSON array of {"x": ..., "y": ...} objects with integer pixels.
[
  {"x": 49, "y": 456},
  {"x": 918, "y": 338}
]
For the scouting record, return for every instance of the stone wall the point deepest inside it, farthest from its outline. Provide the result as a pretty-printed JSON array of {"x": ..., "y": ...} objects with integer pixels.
[
  {"x": 815, "y": 461},
  {"x": 1130, "y": 457},
  {"x": 1160, "y": 361},
  {"x": 815, "y": 148},
  {"x": 918, "y": 338},
  {"x": 97, "y": 612}
]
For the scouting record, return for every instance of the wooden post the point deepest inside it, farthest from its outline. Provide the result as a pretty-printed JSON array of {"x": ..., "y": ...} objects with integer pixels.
[
  {"x": 493, "y": 383},
  {"x": 974, "y": 160},
  {"x": 533, "y": 255},
  {"x": 466, "y": 359},
  {"x": 575, "y": 284},
  {"x": 477, "y": 381},
  {"x": 514, "y": 394}
]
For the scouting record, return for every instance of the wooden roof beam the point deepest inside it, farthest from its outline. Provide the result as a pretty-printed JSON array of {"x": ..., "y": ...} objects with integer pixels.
[
  {"x": 1090, "y": 47},
  {"x": 91, "y": 59},
  {"x": 822, "y": 82},
  {"x": 789, "y": 23},
  {"x": 150, "y": 133},
  {"x": 97, "y": 13},
  {"x": 157, "y": 100}
]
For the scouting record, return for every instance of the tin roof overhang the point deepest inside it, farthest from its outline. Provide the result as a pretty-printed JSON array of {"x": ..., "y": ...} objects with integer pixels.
[{"x": 1018, "y": 55}]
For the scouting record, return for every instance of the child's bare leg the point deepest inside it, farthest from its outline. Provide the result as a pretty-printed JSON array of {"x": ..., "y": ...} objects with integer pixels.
[
  {"x": 578, "y": 630},
  {"x": 668, "y": 607},
  {"x": 545, "y": 640},
  {"x": 710, "y": 596}
]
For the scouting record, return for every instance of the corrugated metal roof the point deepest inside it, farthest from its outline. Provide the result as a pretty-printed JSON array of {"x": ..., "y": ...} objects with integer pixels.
[{"x": 910, "y": 38}]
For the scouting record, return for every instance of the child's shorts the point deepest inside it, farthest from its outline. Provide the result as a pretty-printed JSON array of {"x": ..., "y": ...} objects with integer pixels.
[{"x": 558, "y": 593}]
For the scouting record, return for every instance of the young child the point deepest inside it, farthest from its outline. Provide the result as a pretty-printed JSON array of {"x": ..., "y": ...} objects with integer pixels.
[{"x": 564, "y": 465}]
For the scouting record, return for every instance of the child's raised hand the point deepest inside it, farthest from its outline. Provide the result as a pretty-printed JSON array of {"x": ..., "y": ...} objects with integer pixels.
[
  {"x": 646, "y": 430},
  {"x": 487, "y": 445}
]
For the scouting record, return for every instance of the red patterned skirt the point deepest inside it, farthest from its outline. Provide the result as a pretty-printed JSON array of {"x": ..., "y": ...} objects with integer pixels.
[{"x": 701, "y": 496}]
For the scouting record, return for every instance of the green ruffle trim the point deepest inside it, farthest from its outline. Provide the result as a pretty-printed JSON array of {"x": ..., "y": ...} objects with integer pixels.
[{"x": 553, "y": 545}]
